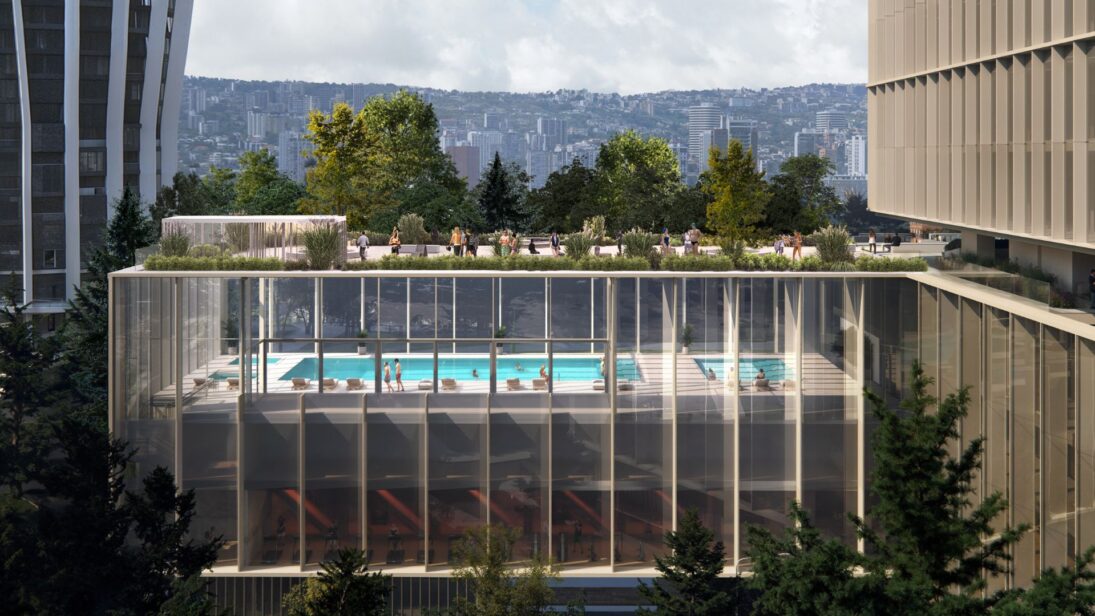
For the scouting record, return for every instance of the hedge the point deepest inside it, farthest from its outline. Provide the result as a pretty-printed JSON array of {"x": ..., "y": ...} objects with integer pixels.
[
  {"x": 164, "y": 263},
  {"x": 672, "y": 263}
]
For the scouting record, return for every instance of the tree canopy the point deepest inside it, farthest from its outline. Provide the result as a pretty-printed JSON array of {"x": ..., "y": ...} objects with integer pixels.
[
  {"x": 737, "y": 190},
  {"x": 502, "y": 196},
  {"x": 636, "y": 178},
  {"x": 801, "y": 201},
  {"x": 689, "y": 583}
]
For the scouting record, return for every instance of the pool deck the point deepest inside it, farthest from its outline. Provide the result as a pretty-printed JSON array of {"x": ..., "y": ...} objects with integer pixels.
[{"x": 820, "y": 377}]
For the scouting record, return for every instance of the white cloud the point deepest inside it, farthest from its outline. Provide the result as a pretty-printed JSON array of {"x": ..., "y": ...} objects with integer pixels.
[{"x": 533, "y": 45}]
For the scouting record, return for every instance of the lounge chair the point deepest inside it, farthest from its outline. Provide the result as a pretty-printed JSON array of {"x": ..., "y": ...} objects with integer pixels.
[
  {"x": 625, "y": 386},
  {"x": 539, "y": 384},
  {"x": 330, "y": 384},
  {"x": 425, "y": 385},
  {"x": 513, "y": 384},
  {"x": 301, "y": 383},
  {"x": 762, "y": 385},
  {"x": 448, "y": 385},
  {"x": 233, "y": 382},
  {"x": 354, "y": 385},
  {"x": 201, "y": 383},
  {"x": 598, "y": 384}
]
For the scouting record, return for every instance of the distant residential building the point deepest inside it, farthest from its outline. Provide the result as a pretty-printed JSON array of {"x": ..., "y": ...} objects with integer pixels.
[
  {"x": 493, "y": 121},
  {"x": 553, "y": 131},
  {"x": 831, "y": 120},
  {"x": 847, "y": 185},
  {"x": 293, "y": 151},
  {"x": 257, "y": 123},
  {"x": 466, "y": 160},
  {"x": 855, "y": 156},
  {"x": 701, "y": 118},
  {"x": 538, "y": 167},
  {"x": 740, "y": 102},
  {"x": 92, "y": 96},
  {"x": 647, "y": 106},
  {"x": 717, "y": 138}
]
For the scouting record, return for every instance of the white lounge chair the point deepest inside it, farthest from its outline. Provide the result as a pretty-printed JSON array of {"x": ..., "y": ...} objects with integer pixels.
[
  {"x": 354, "y": 385},
  {"x": 330, "y": 384},
  {"x": 301, "y": 383},
  {"x": 598, "y": 384},
  {"x": 539, "y": 384},
  {"x": 233, "y": 382},
  {"x": 449, "y": 385},
  {"x": 625, "y": 386},
  {"x": 425, "y": 385},
  {"x": 513, "y": 384}
]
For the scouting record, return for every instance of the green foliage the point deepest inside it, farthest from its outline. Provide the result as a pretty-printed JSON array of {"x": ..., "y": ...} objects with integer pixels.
[
  {"x": 595, "y": 227},
  {"x": 502, "y": 195},
  {"x": 163, "y": 263},
  {"x": 801, "y": 201},
  {"x": 129, "y": 230},
  {"x": 257, "y": 170},
  {"x": 279, "y": 197},
  {"x": 412, "y": 229},
  {"x": 174, "y": 244},
  {"x": 638, "y": 243},
  {"x": 636, "y": 179},
  {"x": 483, "y": 556},
  {"x": 832, "y": 244},
  {"x": 567, "y": 198},
  {"x": 365, "y": 163},
  {"x": 510, "y": 263},
  {"x": 687, "y": 206},
  {"x": 344, "y": 587},
  {"x": 730, "y": 247},
  {"x": 738, "y": 193},
  {"x": 1070, "y": 590},
  {"x": 203, "y": 250},
  {"x": 323, "y": 246},
  {"x": 859, "y": 219},
  {"x": 190, "y": 597},
  {"x": 689, "y": 582},
  {"x": 238, "y": 236},
  {"x": 891, "y": 264},
  {"x": 804, "y": 573},
  {"x": 219, "y": 187},
  {"x": 578, "y": 245},
  {"x": 188, "y": 195}
]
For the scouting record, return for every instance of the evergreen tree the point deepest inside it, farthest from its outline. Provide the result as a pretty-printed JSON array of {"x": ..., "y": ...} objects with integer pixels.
[
  {"x": 483, "y": 556},
  {"x": 738, "y": 193},
  {"x": 85, "y": 354},
  {"x": 344, "y": 587},
  {"x": 801, "y": 201},
  {"x": 566, "y": 199},
  {"x": 257, "y": 169},
  {"x": 1070, "y": 590},
  {"x": 689, "y": 583},
  {"x": 501, "y": 195},
  {"x": 188, "y": 195}
]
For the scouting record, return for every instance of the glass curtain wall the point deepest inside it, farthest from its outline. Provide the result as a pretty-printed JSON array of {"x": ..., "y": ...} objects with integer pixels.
[
  {"x": 395, "y": 500},
  {"x": 519, "y": 455},
  {"x": 457, "y": 472},
  {"x": 581, "y": 472},
  {"x": 332, "y": 474}
]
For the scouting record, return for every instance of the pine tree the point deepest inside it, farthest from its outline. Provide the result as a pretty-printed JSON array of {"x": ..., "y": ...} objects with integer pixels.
[
  {"x": 502, "y": 197},
  {"x": 85, "y": 355},
  {"x": 344, "y": 587},
  {"x": 689, "y": 583}
]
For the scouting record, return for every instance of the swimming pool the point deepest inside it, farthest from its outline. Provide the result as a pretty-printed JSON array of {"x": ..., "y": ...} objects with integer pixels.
[
  {"x": 255, "y": 361},
  {"x": 460, "y": 368},
  {"x": 774, "y": 368}
]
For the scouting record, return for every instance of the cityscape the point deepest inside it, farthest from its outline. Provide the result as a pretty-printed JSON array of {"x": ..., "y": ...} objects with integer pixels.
[{"x": 545, "y": 307}]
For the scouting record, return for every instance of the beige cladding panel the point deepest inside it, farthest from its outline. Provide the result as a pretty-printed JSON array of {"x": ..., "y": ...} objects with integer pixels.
[{"x": 982, "y": 115}]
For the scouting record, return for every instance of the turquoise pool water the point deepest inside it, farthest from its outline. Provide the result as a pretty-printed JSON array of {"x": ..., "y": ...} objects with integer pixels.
[
  {"x": 774, "y": 368},
  {"x": 460, "y": 368}
]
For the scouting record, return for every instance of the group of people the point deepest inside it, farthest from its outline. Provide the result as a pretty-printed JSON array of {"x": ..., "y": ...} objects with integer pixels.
[
  {"x": 463, "y": 242},
  {"x": 780, "y": 244},
  {"x": 398, "y": 377},
  {"x": 891, "y": 240}
]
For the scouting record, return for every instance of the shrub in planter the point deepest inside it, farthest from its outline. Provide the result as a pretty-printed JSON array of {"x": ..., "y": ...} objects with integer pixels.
[
  {"x": 322, "y": 246},
  {"x": 412, "y": 230},
  {"x": 578, "y": 245},
  {"x": 832, "y": 244},
  {"x": 204, "y": 250},
  {"x": 638, "y": 243},
  {"x": 174, "y": 244}
]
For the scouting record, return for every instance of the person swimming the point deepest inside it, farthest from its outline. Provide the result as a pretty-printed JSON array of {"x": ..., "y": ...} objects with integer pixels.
[{"x": 518, "y": 367}]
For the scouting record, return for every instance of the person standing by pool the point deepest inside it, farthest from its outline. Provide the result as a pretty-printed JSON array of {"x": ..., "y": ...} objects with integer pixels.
[
  {"x": 398, "y": 376},
  {"x": 665, "y": 240},
  {"x": 543, "y": 371},
  {"x": 388, "y": 376},
  {"x": 555, "y": 243}
]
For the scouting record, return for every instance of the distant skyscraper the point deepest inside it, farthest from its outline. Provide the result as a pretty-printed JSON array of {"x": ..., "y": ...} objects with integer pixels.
[
  {"x": 466, "y": 160},
  {"x": 92, "y": 104},
  {"x": 701, "y": 118},
  {"x": 292, "y": 154},
  {"x": 807, "y": 142},
  {"x": 538, "y": 166},
  {"x": 855, "y": 156},
  {"x": 744, "y": 131},
  {"x": 257, "y": 123},
  {"x": 717, "y": 138},
  {"x": 554, "y": 132},
  {"x": 488, "y": 142},
  {"x": 831, "y": 120},
  {"x": 493, "y": 121}
]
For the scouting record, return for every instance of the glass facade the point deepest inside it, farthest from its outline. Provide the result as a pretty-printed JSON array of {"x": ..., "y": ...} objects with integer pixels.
[{"x": 585, "y": 411}]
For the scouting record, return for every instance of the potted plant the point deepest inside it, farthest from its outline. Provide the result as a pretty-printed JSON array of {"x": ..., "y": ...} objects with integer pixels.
[
  {"x": 500, "y": 333},
  {"x": 230, "y": 332},
  {"x": 686, "y": 337},
  {"x": 362, "y": 346}
]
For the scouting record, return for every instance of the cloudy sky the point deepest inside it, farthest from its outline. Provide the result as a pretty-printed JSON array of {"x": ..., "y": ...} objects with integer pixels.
[{"x": 625, "y": 46}]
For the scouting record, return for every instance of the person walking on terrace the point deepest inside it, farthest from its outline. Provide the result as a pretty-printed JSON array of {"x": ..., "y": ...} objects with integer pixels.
[
  {"x": 665, "y": 241},
  {"x": 456, "y": 241},
  {"x": 872, "y": 242},
  {"x": 388, "y": 377},
  {"x": 398, "y": 376},
  {"x": 555, "y": 243},
  {"x": 393, "y": 240},
  {"x": 363, "y": 245},
  {"x": 796, "y": 252}
]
